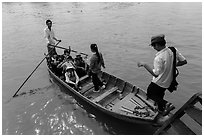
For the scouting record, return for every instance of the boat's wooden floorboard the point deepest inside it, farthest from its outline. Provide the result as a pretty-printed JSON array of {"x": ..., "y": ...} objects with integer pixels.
[
  {"x": 86, "y": 88},
  {"x": 105, "y": 94},
  {"x": 129, "y": 103}
]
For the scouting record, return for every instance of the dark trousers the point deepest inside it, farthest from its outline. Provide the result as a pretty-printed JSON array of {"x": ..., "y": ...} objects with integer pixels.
[
  {"x": 156, "y": 93},
  {"x": 51, "y": 50},
  {"x": 96, "y": 81},
  {"x": 80, "y": 72}
]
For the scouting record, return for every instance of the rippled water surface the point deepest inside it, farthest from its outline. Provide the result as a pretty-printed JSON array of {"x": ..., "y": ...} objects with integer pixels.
[{"x": 122, "y": 32}]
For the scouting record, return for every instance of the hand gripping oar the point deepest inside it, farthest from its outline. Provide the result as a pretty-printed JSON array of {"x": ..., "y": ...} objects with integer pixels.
[{"x": 34, "y": 71}]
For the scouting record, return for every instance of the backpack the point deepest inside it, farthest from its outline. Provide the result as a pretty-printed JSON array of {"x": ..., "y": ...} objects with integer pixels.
[{"x": 174, "y": 83}]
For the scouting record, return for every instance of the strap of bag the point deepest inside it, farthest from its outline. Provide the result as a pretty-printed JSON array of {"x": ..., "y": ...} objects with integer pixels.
[{"x": 175, "y": 70}]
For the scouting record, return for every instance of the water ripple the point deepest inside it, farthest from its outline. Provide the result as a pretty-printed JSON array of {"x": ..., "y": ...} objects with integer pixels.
[
  {"x": 123, "y": 30},
  {"x": 56, "y": 122}
]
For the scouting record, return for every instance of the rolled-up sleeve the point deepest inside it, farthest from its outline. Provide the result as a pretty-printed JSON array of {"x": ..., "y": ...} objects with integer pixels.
[
  {"x": 46, "y": 34},
  {"x": 179, "y": 56}
]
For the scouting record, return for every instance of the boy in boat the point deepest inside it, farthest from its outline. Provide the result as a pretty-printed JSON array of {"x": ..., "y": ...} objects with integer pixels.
[
  {"x": 50, "y": 37},
  {"x": 54, "y": 62},
  {"x": 67, "y": 53},
  {"x": 65, "y": 64},
  {"x": 80, "y": 66},
  {"x": 162, "y": 73}
]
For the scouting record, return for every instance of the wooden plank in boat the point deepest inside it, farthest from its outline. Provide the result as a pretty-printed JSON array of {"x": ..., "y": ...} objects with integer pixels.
[
  {"x": 105, "y": 94},
  {"x": 127, "y": 104},
  {"x": 83, "y": 78},
  {"x": 86, "y": 88},
  {"x": 181, "y": 128},
  {"x": 105, "y": 76},
  {"x": 147, "y": 102},
  {"x": 195, "y": 113},
  {"x": 120, "y": 84},
  {"x": 128, "y": 88},
  {"x": 111, "y": 81},
  {"x": 126, "y": 101}
]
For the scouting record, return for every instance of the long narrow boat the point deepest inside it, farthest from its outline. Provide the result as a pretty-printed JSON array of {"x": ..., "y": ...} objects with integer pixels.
[{"x": 119, "y": 99}]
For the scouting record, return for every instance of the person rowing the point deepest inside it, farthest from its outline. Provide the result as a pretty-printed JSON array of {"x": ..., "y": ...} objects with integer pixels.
[{"x": 50, "y": 37}]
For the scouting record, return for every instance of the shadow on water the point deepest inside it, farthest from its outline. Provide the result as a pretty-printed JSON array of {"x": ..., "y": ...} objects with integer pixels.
[{"x": 109, "y": 124}]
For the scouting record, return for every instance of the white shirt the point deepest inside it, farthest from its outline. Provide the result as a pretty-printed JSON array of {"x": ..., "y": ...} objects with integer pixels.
[
  {"x": 69, "y": 81},
  {"x": 49, "y": 35},
  {"x": 163, "y": 64}
]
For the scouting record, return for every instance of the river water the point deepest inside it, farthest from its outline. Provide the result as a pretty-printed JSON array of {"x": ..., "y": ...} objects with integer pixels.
[{"x": 122, "y": 32}]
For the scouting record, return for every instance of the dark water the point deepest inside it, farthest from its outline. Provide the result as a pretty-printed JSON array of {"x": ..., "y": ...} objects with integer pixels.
[{"x": 122, "y": 32}]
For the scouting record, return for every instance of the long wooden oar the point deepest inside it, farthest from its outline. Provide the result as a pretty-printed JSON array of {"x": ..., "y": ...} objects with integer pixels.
[
  {"x": 33, "y": 71},
  {"x": 71, "y": 50}
]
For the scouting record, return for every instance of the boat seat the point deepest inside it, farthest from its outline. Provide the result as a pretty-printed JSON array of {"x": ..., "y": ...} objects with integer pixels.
[
  {"x": 152, "y": 104},
  {"x": 105, "y": 94},
  {"x": 83, "y": 78},
  {"x": 86, "y": 88}
]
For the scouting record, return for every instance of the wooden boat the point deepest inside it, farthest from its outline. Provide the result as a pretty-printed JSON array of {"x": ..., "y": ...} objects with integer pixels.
[{"x": 119, "y": 99}]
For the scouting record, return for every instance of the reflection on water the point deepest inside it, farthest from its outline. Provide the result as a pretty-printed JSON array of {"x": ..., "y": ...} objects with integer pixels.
[
  {"x": 48, "y": 116},
  {"x": 122, "y": 31},
  {"x": 58, "y": 123}
]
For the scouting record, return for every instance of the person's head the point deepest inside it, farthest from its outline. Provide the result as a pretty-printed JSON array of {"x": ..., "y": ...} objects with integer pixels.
[
  {"x": 55, "y": 56},
  {"x": 158, "y": 42},
  {"x": 69, "y": 71},
  {"x": 60, "y": 58},
  {"x": 49, "y": 23},
  {"x": 94, "y": 48},
  {"x": 66, "y": 52},
  {"x": 69, "y": 58},
  {"x": 79, "y": 57},
  {"x": 76, "y": 61}
]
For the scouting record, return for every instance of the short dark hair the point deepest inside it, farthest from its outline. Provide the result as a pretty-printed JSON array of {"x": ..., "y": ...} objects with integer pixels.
[
  {"x": 67, "y": 51},
  {"x": 48, "y": 21},
  {"x": 70, "y": 58},
  {"x": 94, "y": 47},
  {"x": 162, "y": 43}
]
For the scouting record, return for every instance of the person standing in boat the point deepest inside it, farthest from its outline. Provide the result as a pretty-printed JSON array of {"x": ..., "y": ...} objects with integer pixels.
[
  {"x": 96, "y": 61},
  {"x": 50, "y": 37},
  {"x": 162, "y": 72}
]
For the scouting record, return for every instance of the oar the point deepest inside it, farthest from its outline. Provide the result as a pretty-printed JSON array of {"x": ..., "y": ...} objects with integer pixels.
[
  {"x": 33, "y": 72},
  {"x": 71, "y": 50}
]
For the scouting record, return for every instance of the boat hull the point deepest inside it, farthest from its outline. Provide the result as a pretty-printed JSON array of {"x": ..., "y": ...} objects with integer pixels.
[{"x": 109, "y": 111}]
